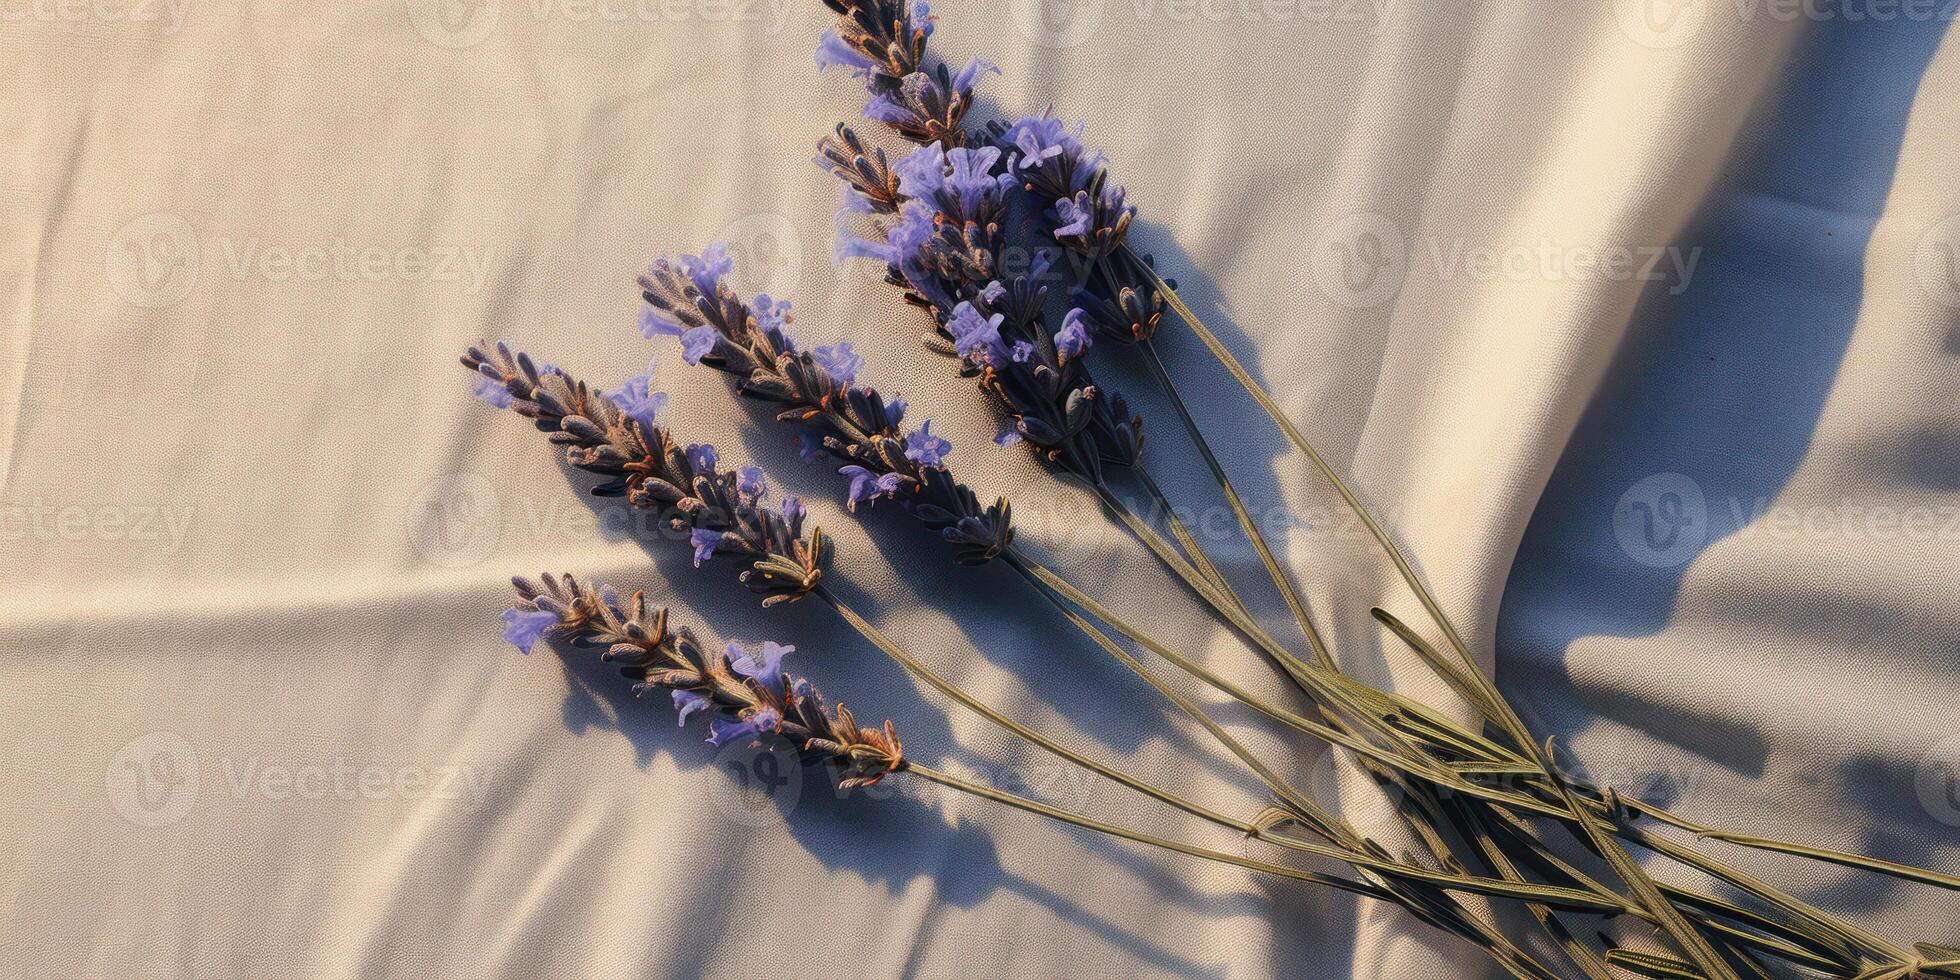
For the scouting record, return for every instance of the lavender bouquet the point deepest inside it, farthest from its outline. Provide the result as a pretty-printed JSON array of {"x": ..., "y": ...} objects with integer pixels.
[{"x": 1489, "y": 813}]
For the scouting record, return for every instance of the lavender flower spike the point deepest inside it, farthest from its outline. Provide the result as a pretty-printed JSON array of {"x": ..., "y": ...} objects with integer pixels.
[
  {"x": 852, "y": 421},
  {"x": 881, "y": 41},
  {"x": 646, "y": 465},
  {"x": 740, "y": 704}
]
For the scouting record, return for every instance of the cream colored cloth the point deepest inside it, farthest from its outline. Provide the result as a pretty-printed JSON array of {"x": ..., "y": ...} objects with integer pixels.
[{"x": 1632, "y": 268}]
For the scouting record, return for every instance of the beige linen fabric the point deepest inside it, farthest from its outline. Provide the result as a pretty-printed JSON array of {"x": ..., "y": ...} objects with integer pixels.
[{"x": 258, "y": 717}]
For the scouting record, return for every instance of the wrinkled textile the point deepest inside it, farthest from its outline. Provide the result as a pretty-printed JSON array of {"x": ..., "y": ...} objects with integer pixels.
[{"x": 1636, "y": 323}]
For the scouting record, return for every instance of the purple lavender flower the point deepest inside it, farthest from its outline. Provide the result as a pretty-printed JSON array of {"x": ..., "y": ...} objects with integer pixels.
[
  {"x": 659, "y": 657},
  {"x": 1022, "y": 352},
  {"x": 793, "y": 511},
  {"x": 637, "y": 400},
  {"x": 687, "y": 703},
  {"x": 493, "y": 393},
  {"x": 750, "y": 483},
  {"x": 965, "y": 78},
  {"x": 833, "y": 51},
  {"x": 928, "y": 106},
  {"x": 971, "y": 176},
  {"x": 764, "y": 666},
  {"x": 702, "y": 457},
  {"x": 867, "y": 487},
  {"x": 922, "y": 172},
  {"x": 1040, "y": 139},
  {"x": 654, "y": 323},
  {"x": 705, "y": 542},
  {"x": 524, "y": 627},
  {"x": 880, "y": 44},
  {"x": 974, "y": 335},
  {"x": 839, "y": 361},
  {"x": 707, "y": 268},
  {"x": 697, "y": 343},
  {"x": 771, "y": 315},
  {"x": 880, "y": 107},
  {"x": 851, "y": 245},
  {"x": 924, "y": 448},
  {"x": 760, "y": 722},
  {"x": 1008, "y": 435},
  {"x": 909, "y": 235},
  {"x": 1073, "y": 339},
  {"x": 1049, "y": 158},
  {"x": 1072, "y": 216}
]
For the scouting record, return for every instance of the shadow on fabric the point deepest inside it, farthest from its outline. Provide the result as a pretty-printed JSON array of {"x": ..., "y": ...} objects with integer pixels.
[{"x": 1714, "y": 397}]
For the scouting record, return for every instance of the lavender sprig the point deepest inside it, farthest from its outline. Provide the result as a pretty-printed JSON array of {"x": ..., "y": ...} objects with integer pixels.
[
  {"x": 745, "y": 694},
  {"x": 943, "y": 233},
  {"x": 819, "y": 387},
  {"x": 881, "y": 41},
  {"x": 748, "y": 696},
  {"x": 721, "y": 512},
  {"x": 1090, "y": 218}
]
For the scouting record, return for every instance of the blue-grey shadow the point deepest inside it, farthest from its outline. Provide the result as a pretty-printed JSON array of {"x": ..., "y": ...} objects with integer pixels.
[
  {"x": 1714, "y": 396},
  {"x": 886, "y": 836},
  {"x": 886, "y": 841},
  {"x": 1052, "y": 659}
]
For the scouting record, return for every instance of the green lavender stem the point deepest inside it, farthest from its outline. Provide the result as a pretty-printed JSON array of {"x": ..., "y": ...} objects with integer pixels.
[
  {"x": 1644, "y": 887},
  {"x": 1564, "y": 897},
  {"x": 1188, "y": 542},
  {"x": 1515, "y": 961},
  {"x": 1274, "y": 571},
  {"x": 927, "y": 674}
]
